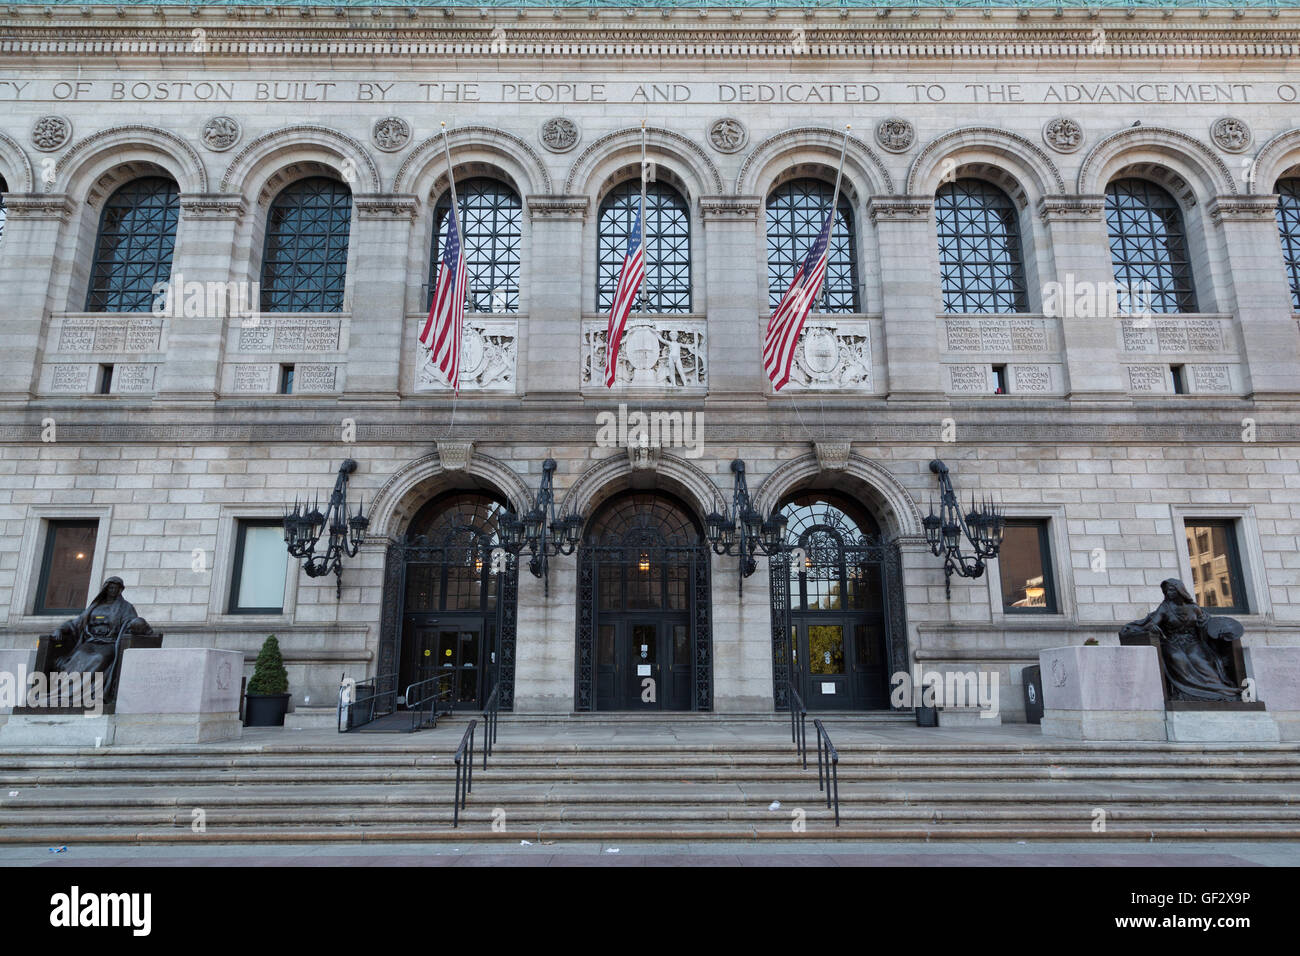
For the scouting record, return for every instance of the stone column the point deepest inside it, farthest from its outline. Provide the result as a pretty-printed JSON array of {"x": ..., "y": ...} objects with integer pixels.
[
  {"x": 735, "y": 306},
  {"x": 205, "y": 245},
  {"x": 1260, "y": 295},
  {"x": 909, "y": 279},
  {"x": 377, "y": 337},
  {"x": 1080, "y": 259},
  {"x": 31, "y": 238},
  {"x": 554, "y": 323}
]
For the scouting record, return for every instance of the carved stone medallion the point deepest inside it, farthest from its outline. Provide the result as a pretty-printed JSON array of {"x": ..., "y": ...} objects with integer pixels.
[
  {"x": 51, "y": 132},
  {"x": 728, "y": 135},
  {"x": 896, "y": 135},
  {"x": 1231, "y": 134},
  {"x": 1063, "y": 134},
  {"x": 391, "y": 133},
  {"x": 559, "y": 134},
  {"x": 220, "y": 133}
]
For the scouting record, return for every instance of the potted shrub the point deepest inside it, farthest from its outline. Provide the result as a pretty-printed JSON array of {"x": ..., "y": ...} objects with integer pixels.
[{"x": 267, "y": 698}]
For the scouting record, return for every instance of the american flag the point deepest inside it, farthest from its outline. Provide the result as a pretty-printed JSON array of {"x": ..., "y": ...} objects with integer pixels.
[
  {"x": 630, "y": 278},
  {"x": 787, "y": 321},
  {"x": 441, "y": 334}
]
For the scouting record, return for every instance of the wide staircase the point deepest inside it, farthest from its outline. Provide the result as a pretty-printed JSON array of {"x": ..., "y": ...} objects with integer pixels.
[{"x": 627, "y": 781}]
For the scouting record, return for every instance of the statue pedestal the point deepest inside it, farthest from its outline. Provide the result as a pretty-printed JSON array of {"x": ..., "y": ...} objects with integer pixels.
[
  {"x": 165, "y": 696},
  {"x": 1229, "y": 724},
  {"x": 15, "y": 666},
  {"x": 1102, "y": 693},
  {"x": 179, "y": 695},
  {"x": 1276, "y": 672}
]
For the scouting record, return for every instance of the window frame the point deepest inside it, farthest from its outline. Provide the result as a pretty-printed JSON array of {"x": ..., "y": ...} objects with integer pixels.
[
  {"x": 1288, "y": 215},
  {"x": 467, "y": 191},
  {"x": 1053, "y": 604},
  {"x": 242, "y": 524},
  {"x": 1177, "y": 249},
  {"x": 321, "y": 302},
  {"x": 99, "y": 298},
  {"x": 52, "y": 526},
  {"x": 955, "y": 279},
  {"x": 1236, "y": 568},
  {"x": 844, "y": 252},
  {"x": 610, "y": 251}
]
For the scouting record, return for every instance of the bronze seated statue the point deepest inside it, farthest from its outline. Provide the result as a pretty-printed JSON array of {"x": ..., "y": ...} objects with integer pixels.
[
  {"x": 1200, "y": 655},
  {"x": 89, "y": 644}
]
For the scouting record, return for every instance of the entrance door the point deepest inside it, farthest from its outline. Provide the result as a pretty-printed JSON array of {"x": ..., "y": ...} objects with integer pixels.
[
  {"x": 820, "y": 656},
  {"x": 643, "y": 663},
  {"x": 442, "y": 646}
]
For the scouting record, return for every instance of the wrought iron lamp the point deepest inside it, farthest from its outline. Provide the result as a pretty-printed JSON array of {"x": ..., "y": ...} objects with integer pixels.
[
  {"x": 541, "y": 530},
  {"x": 983, "y": 527},
  {"x": 303, "y": 530},
  {"x": 743, "y": 530}
]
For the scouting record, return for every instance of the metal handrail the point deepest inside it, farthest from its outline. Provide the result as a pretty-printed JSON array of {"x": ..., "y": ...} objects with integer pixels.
[
  {"x": 464, "y": 771},
  {"x": 364, "y": 704},
  {"x": 832, "y": 775},
  {"x": 424, "y": 706},
  {"x": 491, "y": 715},
  {"x": 798, "y": 723}
]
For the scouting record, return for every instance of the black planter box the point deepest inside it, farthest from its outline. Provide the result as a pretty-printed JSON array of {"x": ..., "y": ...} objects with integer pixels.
[
  {"x": 265, "y": 710},
  {"x": 1033, "y": 681}
]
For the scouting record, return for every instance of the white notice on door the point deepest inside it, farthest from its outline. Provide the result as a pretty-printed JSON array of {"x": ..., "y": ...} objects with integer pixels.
[
  {"x": 643, "y": 670},
  {"x": 828, "y": 688}
]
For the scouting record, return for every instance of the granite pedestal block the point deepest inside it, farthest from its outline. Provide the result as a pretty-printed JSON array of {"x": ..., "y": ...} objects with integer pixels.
[
  {"x": 1102, "y": 693},
  {"x": 1276, "y": 672},
  {"x": 179, "y": 695},
  {"x": 15, "y": 668}
]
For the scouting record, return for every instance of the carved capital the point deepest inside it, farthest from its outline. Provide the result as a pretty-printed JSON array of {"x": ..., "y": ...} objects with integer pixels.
[
  {"x": 1244, "y": 209},
  {"x": 454, "y": 455},
  {"x": 1071, "y": 208},
  {"x": 900, "y": 208},
  {"x": 386, "y": 206},
  {"x": 56, "y": 206},
  {"x": 557, "y": 207},
  {"x": 731, "y": 207},
  {"x": 229, "y": 206}
]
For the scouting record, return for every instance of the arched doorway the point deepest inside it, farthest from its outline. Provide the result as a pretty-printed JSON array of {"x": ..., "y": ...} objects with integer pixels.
[
  {"x": 450, "y": 600},
  {"x": 644, "y": 636},
  {"x": 831, "y": 604}
]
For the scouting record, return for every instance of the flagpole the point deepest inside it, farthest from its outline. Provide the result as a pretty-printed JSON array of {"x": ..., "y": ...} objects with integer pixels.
[
  {"x": 645, "y": 246},
  {"x": 835, "y": 198},
  {"x": 451, "y": 175}
]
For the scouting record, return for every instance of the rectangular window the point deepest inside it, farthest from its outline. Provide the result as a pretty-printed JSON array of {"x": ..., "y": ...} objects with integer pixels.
[
  {"x": 64, "y": 585},
  {"x": 260, "y": 564},
  {"x": 1180, "y": 379},
  {"x": 1025, "y": 563},
  {"x": 999, "y": 379},
  {"x": 286, "y": 379},
  {"x": 105, "y": 379},
  {"x": 1217, "y": 581}
]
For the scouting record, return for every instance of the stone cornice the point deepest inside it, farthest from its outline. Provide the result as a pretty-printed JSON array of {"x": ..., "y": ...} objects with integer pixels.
[
  {"x": 557, "y": 207},
  {"x": 39, "y": 206},
  {"x": 213, "y": 206},
  {"x": 89, "y": 33},
  {"x": 386, "y": 205},
  {"x": 899, "y": 208},
  {"x": 731, "y": 207},
  {"x": 1252, "y": 208},
  {"x": 1065, "y": 208}
]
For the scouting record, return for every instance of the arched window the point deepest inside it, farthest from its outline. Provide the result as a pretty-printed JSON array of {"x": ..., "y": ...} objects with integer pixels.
[
  {"x": 795, "y": 214},
  {"x": 490, "y": 227},
  {"x": 822, "y": 526},
  {"x": 1148, "y": 247},
  {"x": 304, "y": 267},
  {"x": 667, "y": 286},
  {"x": 645, "y": 542},
  {"x": 133, "y": 249},
  {"x": 980, "y": 263},
  {"x": 4, "y": 188},
  {"x": 1288, "y": 224}
]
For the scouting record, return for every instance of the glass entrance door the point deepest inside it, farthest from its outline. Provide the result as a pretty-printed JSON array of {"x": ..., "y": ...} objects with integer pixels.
[
  {"x": 459, "y": 650},
  {"x": 820, "y": 654}
]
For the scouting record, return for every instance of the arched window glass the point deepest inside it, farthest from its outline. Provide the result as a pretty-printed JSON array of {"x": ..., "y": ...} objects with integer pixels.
[
  {"x": 1288, "y": 224},
  {"x": 1148, "y": 248},
  {"x": 4, "y": 188},
  {"x": 667, "y": 286},
  {"x": 133, "y": 248},
  {"x": 795, "y": 214},
  {"x": 490, "y": 225},
  {"x": 822, "y": 526},
  {"x": 646, "y": 543},
  {"x": 980, "y": 263},
  {"x": 304, "y": 268}
]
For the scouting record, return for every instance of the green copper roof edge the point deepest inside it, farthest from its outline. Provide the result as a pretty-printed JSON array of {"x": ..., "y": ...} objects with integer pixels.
[{"x": 684, "y": 4}]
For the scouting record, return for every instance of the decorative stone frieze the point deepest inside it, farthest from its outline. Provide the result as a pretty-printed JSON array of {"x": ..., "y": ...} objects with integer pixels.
[
  {"x": 39, "y": 206},
  {"x": 557, "y": 207},
  {"x": 657, "y": 352},
  {"x": 899, "y": 207},
  {"x": 214, "y": 206},
  {"x": 832, "y": 355},
  {"x": 731, "y": 207},
  {"x": 386, "y": 206},
  {"x": 1245, "y": 208},
  {"x": 489, "y": 351},
  {"x": 1065, "y": 208}
]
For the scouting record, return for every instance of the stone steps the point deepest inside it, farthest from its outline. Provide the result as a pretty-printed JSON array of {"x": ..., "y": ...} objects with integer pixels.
[{"x": 648, "y": 789}]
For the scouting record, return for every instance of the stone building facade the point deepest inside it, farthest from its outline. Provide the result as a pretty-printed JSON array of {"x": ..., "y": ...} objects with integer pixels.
[{"x": 155, "y": 438}]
